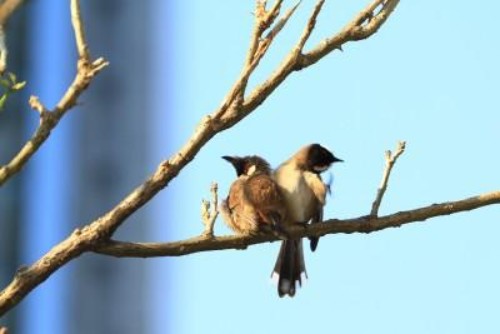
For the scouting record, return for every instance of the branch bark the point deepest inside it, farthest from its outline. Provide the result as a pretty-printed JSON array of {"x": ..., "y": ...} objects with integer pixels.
[
  {"x": 366, "y": 224},
  {"x": 209, "y": 216},
  {"x": 88, "y": 239},
  {"x": 234, "y": 108},
  {"x": 7, "y": 8},
  {"x": 86, "y": 71},
  {"x": 390, "y": 160}
]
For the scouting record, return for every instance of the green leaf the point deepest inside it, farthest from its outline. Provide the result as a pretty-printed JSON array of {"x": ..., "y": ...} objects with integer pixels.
[
  {"x": 3, "y": 99},
  {"x": 18, "y": 85}
]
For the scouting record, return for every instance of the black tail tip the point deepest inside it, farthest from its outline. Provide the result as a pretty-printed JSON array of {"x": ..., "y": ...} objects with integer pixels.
[
  {"x": 313, "y": 243},
  {"x": 286, "y": 287}
]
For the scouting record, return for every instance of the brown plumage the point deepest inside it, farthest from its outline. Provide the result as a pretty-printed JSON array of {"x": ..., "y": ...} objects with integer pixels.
[
  {"x": 305, "y": 195},
  {"x": 255, "y": 201}
]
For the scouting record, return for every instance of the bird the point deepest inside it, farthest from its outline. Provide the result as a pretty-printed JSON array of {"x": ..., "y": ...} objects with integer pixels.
[
  {"x": 305, "y": 195},
  {"x": 255, "y": 202}
]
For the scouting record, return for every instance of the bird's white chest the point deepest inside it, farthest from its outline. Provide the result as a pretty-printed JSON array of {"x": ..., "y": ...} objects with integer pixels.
[{"x": 297, "y": 192}]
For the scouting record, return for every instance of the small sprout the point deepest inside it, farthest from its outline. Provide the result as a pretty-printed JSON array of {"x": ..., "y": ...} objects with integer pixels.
[
  {"x": 10, "y": 85},
  {"x": 3, "y": 99},
  {"x": 18, "y": 86}
]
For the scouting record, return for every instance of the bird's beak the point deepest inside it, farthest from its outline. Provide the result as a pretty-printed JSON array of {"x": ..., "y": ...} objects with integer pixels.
[
  {"x": 237, "y": 163},
  {"x": 335, "y": 159},
  {"x": 232, "y": 160}
]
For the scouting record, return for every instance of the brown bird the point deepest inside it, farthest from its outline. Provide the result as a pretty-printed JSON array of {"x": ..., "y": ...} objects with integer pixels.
[
  {"x": 255, "y": 202},
  {"x": 305, "y": 195}
]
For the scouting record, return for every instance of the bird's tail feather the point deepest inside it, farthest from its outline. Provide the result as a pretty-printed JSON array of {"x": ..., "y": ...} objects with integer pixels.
[{"x": 290, "y": 267}]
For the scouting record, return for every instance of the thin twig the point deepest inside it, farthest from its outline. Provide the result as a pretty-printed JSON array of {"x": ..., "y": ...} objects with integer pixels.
[
  {"x": 263, "y": 20},
  {"x": 355, "y": 30},
  {"x": 281, "y": 22},
  {"x": 81, "y": 42},
  {"x": 209, "y": 216},
  {"x": 7, "y": 8},
  {"x": 257, "y": 50},
  {"x": 35, "y": 104},
  {"x": 49, "y": 119},
  {"x": 390, "y": 160},
  {"x": 296, "y": 61},
  {"x": 311, "y": 23}
]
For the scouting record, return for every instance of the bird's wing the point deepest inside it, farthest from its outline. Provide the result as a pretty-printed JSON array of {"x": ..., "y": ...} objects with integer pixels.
[
  {"x": 319, "y": 189},
  {"x": 263, "y": 193},
  {"x": 238, "y": 213}
]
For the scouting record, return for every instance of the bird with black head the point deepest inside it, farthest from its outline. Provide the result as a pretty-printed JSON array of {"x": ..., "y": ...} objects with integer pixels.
[{"x": 305, "y": 196}]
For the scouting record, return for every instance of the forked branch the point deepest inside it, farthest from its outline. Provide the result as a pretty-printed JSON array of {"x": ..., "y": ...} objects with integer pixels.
[
  {"x": 210, "y": 211},
  {"x": 86, "y": 71},
  {"x": 7, "y": 8},
  {"x": 390, "y": 160},
  {"x": 234, "y": 107}
]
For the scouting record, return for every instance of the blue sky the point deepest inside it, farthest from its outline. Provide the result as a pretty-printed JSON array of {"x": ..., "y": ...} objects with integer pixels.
[{"x": 430, "y": 77}]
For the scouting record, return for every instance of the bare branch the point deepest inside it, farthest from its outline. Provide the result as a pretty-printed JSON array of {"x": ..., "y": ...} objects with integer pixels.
[
  {"x": 390, "y": 160},
  {"x": 81, "y": 42},
  {"x": 257, "y": 50},
  {"x": 7, "y": 8},
  {"x": 365, "y": 224},
  {"x": 263, "y": 20},
  {"x": 49, "y": 119},
  {"x": 234, "y": 108},
  {"x": 27, "y": 278},
  {"x": 311, "y": 23},
  {"x": 36, "y": 105},
  {"x": 353, "y": 31},
  {"x": 89, "y": 238},
  {"x": 281, "y": 23},
  {"x": 296, "y": 61},
  {"x": 208, "y": 216}
]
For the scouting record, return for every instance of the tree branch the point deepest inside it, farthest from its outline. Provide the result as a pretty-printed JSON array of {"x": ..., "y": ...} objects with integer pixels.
[
  {"x": 296, "y": 61},
  {"x": 86, "y": 71},
  {"x": 233, "y": 109},
  {"x": 7, "y": 8},
  {"x": 366, "y": 224},
  {"x": 208, "y": 217},
  {"x": 259, "y": 45},
  {"x": 76, "y": 21},
  {"x": 311, "y": 23},
  {"x": 355, "y": 30},
  {"x": 89, "y": 239},
  {"x": 390, "y": 160}
]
